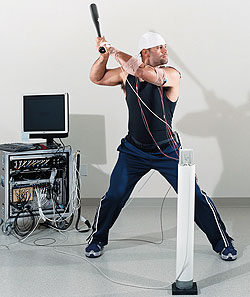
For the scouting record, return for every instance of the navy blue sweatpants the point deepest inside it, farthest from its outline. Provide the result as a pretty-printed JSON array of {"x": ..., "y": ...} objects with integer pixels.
[{"x": 134, "y": 163}]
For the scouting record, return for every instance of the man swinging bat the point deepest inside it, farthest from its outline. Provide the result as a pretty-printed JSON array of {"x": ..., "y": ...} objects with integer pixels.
[{"x": 152, "y": 91}]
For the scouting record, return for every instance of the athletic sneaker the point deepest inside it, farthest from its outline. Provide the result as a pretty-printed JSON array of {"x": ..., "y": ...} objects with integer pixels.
[
  {"x": 229, "y": 253},
  {"x": 94, "y": 250}
]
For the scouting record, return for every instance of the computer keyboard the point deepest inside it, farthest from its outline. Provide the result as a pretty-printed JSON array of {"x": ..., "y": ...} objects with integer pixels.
[{"x": 16, "y": 147}]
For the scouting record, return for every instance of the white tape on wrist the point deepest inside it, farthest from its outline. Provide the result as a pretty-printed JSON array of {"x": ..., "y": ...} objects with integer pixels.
[{"x": 106, "y": 44}]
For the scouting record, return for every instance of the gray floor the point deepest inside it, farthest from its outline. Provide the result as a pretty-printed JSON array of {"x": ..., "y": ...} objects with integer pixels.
[{"x": 61, "y": 269}]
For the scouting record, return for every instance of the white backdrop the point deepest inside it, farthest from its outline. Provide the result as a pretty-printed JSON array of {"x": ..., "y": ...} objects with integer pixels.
[{"x": 49, "y": 46}]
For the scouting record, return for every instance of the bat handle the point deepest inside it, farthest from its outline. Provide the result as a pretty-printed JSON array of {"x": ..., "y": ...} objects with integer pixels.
[{"x": 102, "y": 50}]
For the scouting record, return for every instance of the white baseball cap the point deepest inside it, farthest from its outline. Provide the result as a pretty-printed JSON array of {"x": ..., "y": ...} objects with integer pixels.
[{"x": 150, "y": 39}]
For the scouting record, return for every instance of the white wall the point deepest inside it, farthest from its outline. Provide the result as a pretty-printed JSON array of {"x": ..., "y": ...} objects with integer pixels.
[{"x": 49, "y": 46}]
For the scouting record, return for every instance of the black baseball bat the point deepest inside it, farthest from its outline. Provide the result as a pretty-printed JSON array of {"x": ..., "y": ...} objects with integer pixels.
[{"x": 95, "y": 17}]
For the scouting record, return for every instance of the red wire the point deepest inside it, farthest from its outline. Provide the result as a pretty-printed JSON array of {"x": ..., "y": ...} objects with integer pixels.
[
  {"x": 147, "y": 126},
  {"x": 174, "y": 144}
]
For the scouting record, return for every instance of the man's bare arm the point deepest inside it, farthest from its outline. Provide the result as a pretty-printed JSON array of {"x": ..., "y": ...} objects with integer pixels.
[
  {"x": 168, "y": 77},
  {"x": 100, "y": 75}
]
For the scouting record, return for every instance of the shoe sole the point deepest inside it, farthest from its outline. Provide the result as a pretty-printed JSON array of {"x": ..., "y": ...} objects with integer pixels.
[
  {"x": 93, "y": 254},
  {"x": 229, "y": 257}
]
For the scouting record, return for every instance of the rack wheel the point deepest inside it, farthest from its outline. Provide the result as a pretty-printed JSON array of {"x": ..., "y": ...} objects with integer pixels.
[{"x": 6, "y": 228}]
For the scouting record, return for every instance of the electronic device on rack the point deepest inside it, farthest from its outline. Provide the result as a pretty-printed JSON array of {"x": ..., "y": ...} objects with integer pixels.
[
  {"x": 45, "y": 116},
  {"x": 35, "y": 184}
]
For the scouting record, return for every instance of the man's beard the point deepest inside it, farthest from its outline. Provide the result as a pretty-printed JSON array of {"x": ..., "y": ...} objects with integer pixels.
[{"x": 164, "y": 61}]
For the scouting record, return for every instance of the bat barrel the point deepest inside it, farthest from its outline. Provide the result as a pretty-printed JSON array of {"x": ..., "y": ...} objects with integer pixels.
[{"x": 95, "y": 17}]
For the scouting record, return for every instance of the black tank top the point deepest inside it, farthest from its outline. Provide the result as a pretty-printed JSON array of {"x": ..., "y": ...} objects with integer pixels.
[{"x": 138, "y": 133}]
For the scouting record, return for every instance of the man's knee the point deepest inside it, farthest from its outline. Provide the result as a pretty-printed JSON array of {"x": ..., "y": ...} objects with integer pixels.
[{"x": 116, "y": 195}]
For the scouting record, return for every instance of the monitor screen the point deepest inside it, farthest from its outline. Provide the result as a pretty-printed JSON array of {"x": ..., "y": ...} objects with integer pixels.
[{"x": 46, "y": 115}]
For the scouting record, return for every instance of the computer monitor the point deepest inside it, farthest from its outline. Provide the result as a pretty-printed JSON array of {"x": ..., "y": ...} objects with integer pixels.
[{"x": 46, "y": 116}]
